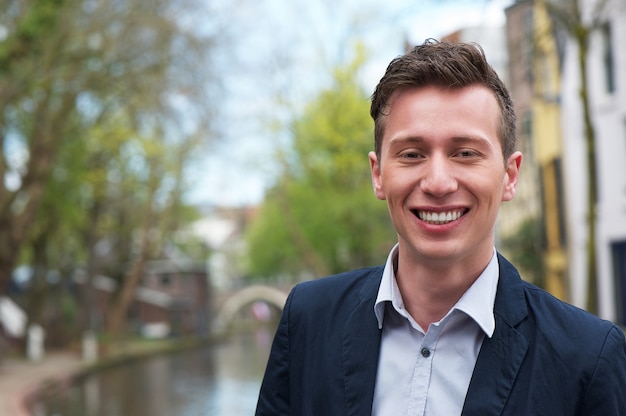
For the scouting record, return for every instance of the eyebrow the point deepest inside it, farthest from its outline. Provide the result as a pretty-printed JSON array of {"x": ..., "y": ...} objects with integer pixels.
[
  {"x": 409, "y": 139},
  {"x": 455, "y": 139},
  {"x": 471, "y": 139}
]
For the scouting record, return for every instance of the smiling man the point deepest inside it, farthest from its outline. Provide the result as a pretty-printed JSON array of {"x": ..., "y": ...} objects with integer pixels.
[{"x": 446, "y": 326}]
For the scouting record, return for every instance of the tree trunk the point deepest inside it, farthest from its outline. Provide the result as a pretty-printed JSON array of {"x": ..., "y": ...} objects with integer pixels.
[
  {"x": 116, "y": 316},
  {"x": 582, "y": 40}
]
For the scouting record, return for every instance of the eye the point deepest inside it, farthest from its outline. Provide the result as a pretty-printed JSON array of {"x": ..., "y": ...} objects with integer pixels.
[
  {"x": 411, "y": 154},
  {"x": 466, "y": 153}
]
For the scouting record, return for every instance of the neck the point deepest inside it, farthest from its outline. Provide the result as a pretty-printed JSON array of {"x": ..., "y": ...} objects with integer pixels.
[{"x": 430, "y": 290}]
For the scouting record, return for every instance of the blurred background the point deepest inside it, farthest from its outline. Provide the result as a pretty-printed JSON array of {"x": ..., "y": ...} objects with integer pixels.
[{"x": 171, "y": 168}]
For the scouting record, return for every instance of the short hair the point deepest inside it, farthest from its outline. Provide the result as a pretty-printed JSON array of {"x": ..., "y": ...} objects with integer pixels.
[{"x": 447, "y": 65}]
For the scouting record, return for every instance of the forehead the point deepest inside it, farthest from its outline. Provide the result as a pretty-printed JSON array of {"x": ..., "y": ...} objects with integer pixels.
[
  {"x": 432, "y": 110},
  {"x": 434, "y": 92}
]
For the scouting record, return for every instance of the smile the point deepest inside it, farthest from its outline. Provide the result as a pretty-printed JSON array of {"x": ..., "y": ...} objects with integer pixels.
[{"x": 438, "y": 218}]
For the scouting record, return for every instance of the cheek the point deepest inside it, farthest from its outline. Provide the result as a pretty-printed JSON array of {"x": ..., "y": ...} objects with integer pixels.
[{"x": 400, "y": 187}]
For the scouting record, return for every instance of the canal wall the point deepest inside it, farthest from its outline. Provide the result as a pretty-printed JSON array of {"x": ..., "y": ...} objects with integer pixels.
[{"x": 24, "y": 383}]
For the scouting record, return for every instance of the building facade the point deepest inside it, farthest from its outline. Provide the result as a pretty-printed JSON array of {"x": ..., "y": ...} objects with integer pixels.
[
  {"x": 606, "y": 81},
  {"x": 544, "y": 60}
]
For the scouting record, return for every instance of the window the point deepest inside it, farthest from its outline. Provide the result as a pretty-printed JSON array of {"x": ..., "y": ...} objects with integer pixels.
[
  {"x": 166, "y": 280},
  {"x": 608, "y": 59},
  {"x": 618, "y": 252},
  {"x": 558, "y": 178},
  {"x": 527, "y": 44}
]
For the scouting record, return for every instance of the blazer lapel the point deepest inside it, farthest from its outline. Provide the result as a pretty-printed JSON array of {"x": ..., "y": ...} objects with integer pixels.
[
  {"x": 501, "y": 355},
  {"x": 361, "y": 345}
]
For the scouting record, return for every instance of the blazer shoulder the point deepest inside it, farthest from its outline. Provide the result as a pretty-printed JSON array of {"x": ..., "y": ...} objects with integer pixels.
[
  {"x": 347, "y": 289},
  {"x": 344, "y": 280},
  {"x": 555, "y": 355},
  {"x": 551, "y": 312},
  {"x": 530, "y": 308}
]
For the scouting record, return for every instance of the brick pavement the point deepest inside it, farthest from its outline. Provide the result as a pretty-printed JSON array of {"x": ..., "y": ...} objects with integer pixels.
[{"x": 20, "y": 377}]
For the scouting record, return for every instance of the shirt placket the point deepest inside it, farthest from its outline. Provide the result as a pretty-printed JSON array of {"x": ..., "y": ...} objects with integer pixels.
[{"x": 422, "y": 372}]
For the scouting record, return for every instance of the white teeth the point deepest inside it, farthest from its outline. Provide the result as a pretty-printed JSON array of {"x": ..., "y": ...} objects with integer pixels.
[{"x": 439, "y": 217}]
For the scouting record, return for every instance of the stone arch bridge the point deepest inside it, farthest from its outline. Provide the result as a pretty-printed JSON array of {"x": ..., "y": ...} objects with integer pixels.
[{"x": 239, "y": 299}]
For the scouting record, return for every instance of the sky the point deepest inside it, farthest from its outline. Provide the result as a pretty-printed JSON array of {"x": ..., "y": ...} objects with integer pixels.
[{"x": 281, "y": 52}]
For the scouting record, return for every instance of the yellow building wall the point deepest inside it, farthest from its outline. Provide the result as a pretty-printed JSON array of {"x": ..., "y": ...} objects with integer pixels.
[{"x": 546, "y": 127}]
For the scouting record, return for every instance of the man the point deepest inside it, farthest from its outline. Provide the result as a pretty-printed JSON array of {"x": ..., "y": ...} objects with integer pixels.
[{"x": 446, "y": 327}]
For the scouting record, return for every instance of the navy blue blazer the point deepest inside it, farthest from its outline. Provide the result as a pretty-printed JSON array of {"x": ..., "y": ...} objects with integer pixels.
[{"x": 545, "y": 357}]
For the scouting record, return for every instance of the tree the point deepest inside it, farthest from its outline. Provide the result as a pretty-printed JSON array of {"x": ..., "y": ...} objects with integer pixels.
[
  {"x": 158, "y": 207},
  {"x": 526, "y": 249},
  {"x": 321, "y": 216},
  {"x": 52, "y": 246},
  {"x": 103, "y": 105},
  {"x": 569, "y": 17}
]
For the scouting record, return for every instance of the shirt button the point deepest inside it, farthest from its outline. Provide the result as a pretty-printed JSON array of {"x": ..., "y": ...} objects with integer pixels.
[{"x": 425, "y": 352}]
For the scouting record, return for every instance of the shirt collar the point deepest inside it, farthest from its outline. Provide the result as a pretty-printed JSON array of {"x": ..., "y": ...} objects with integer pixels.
[{"x": 477, "y": 302}]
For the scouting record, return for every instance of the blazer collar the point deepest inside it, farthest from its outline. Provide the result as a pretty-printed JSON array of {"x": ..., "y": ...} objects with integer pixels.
[
  {"x": 500, "y": 356},
  {"x": 361, "y": 344}
]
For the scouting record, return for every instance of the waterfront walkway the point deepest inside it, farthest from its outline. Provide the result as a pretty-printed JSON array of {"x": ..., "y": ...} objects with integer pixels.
[{"x": 19, "y": 378}]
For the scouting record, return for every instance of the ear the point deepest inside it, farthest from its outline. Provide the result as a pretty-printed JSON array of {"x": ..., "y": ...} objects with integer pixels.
[
  {"x": 377, "y": 182},
  {"x": 511, "y": 176}
]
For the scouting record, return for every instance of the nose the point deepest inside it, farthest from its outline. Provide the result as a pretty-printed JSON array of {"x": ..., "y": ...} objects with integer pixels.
[{"x": 438, "y": 177}]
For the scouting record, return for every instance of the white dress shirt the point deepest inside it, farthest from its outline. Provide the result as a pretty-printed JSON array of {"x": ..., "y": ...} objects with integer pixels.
[{"x": 428, "y": 372}]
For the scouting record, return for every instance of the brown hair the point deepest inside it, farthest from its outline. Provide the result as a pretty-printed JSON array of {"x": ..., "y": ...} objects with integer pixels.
[{"x": 448, "y": 65}]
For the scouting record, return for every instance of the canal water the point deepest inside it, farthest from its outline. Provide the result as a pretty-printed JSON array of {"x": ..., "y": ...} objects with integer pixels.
[{"x": 222, "y": 380}]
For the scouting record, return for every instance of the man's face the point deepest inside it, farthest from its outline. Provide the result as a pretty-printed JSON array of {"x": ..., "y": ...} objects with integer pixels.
[{"x": 442, "y": 172}]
